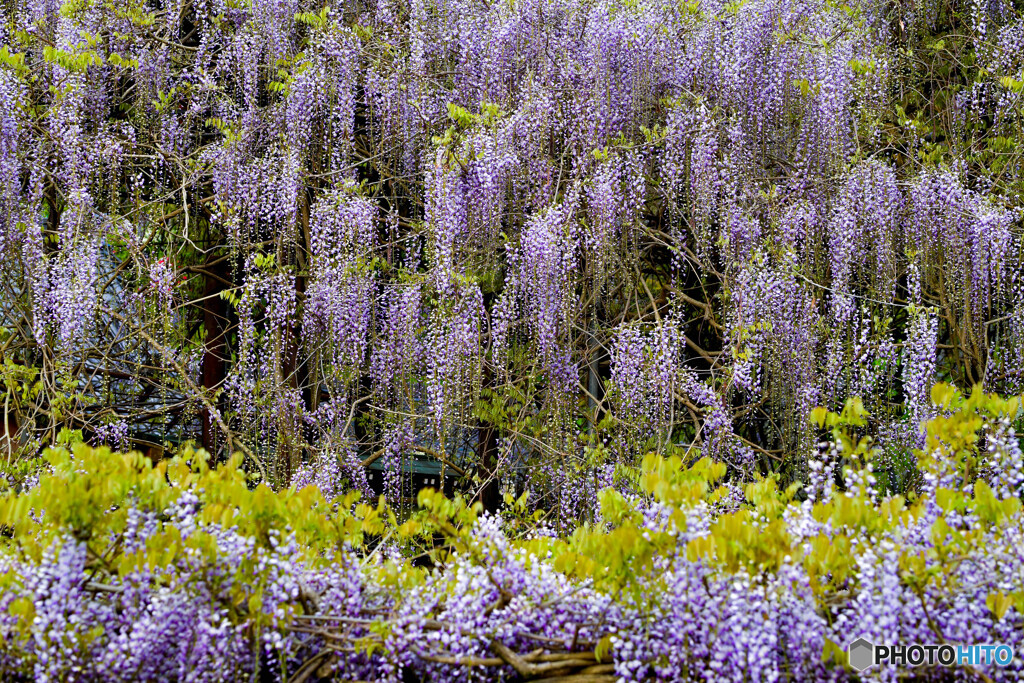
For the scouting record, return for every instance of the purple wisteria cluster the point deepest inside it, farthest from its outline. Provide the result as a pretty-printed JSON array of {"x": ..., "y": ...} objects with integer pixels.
[
  {"x": 525, "y": 251},
  {"x": 403, "y": 204},
  {"x": 156, "y": 588}
]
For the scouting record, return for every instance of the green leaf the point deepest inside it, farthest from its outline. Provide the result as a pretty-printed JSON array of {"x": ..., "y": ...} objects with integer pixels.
[
  {"x": 998, "y": 603},
  {"x": 603, "y": 649}
]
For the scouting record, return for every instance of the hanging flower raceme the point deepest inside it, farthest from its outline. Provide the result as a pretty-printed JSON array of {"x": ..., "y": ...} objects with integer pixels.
[
  {"x": 398, "y": 352},
  {"x": 338, "y": 310},
  {"x": 772, "y": 331},
  {"x": 70, "y": 302},
  {"x": 966, "y": 237},
  {"x": 543, "y": 273},
  {"x": 446, "y": 214},
  {"x": 454, "y": 356},
  {"x": 644, "y": 368},
  {"x": 613, "y": 202},
  {"x": 919, "y": 360},
  {"x": 864, "y": 236},
  {"x": 161, "y": 277}
]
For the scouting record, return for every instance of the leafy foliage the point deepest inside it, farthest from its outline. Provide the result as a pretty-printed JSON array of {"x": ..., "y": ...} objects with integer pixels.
[
  {"x": 673, "y": 281},
  {"x": 134, "y": 566}
]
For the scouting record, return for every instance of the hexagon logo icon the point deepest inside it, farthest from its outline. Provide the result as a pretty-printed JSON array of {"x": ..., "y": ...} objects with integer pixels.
[{"x": 861, "y": 654}]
